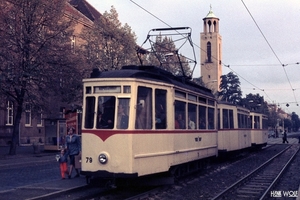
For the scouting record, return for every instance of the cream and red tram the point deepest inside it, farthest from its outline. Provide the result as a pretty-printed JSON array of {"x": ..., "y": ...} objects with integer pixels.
[
  {"x": 234, "y": 126},
  {"x": 141, "y": 120},
  {"x": 259, "y": 129}
]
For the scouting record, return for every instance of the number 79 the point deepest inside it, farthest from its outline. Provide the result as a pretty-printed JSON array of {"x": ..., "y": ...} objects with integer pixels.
[{"x": 89, "y": 160}]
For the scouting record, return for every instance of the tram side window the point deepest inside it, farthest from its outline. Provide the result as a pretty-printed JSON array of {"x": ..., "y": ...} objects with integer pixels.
[
  {"x": 160, "y": 108},
  {"x": 242, "y": 121},
  {"x": 219, "y": 125},
  {"x": 106, "y": 112},
  {"x": 231, "y": 119},
  {"x": 144, "y": 108},
  {"x": 89, "y": 112},
  {"x": 211, "y": 117},
  {"x": 180, "y": 115},
  {"x": 256, "y": 122},
  {"x": 246, "y": 119},
  {"x": 227, "y": 119},
  {"x": 202, "y": 117},
  {"x": 123, "y": 113},
  {"x": 264, "y": 123},
  {"x": 192, "y": 116}
]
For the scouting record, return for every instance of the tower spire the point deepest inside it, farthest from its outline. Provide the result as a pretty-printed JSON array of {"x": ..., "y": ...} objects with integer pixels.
[{"x": 211, "y": 41}]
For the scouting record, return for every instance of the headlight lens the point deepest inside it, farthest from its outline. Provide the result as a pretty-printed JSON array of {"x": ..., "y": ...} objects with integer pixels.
[{"x": 103, "y": 158}]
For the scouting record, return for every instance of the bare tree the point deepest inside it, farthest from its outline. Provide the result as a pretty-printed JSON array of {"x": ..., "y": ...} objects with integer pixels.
[{"x": 37, "y": 65}]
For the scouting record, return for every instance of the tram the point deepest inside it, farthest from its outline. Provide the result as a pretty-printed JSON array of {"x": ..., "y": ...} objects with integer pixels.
[
  {"x": 234, "y": 132},
  {"x": 259, "y": 129},
  {"x": 142, "y": 120}
]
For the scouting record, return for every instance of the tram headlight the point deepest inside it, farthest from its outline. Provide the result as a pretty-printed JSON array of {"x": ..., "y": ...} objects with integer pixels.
[{"x": 103, "y": 158}]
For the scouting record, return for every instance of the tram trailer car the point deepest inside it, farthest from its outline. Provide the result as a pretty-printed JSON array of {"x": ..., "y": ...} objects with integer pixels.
[
  {"x": 141, "y": 120},
  {"x": 234, "y": 132},
  {"x": 239, "y": 129},
  {"x": 259, "y": 130}
]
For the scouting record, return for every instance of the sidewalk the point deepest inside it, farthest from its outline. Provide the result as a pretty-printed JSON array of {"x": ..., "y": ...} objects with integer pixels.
[
  {"x": 23, "y": 150},
  {"x": 279, "y": 140},
  {"x": 43, "y": 190},
  {"x": 38, "y": 174}
]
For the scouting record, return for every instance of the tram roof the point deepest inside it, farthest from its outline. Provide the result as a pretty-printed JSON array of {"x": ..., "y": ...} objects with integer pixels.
[{"x": 151, "y": 73}]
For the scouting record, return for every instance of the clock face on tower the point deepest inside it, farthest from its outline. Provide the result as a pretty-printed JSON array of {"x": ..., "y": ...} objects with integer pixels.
[{"x": 208, "y": 66}]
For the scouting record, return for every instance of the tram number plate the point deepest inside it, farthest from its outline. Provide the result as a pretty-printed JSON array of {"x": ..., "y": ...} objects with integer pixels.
[{"x": 89, "y": 160}]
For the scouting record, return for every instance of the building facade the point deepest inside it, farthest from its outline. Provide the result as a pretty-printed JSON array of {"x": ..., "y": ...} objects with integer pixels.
[{"x": 34, "y": 126}]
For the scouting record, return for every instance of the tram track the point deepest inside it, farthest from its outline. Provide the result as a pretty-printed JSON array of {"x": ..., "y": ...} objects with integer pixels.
[
  {"x": 188, "y": 188},
  {"x": 155, "y": 193},
  {"x": 258, "y": 183}
]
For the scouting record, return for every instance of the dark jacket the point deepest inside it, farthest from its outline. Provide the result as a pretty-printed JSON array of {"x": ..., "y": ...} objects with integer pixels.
[
  {"x": 63, "y": 158},
  {"x": 73, "y": 144}
]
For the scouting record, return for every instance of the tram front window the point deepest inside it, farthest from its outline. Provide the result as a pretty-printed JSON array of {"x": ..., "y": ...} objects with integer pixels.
[
  {"x": 105, "y": 113},
  {"x": 89, "y": 112},
  {"x": 123, "y": 113}
]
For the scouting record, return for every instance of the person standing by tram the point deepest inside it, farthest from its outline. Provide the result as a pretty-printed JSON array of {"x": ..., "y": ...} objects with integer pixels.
[
  {"x": 63, "y": 163},
  {"x": 284, "y": 139},
  {"x": 73, "y": 149}
]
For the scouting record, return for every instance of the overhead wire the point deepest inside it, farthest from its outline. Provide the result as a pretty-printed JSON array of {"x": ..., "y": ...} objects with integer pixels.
[
  {"x": 250, "y": 83},
  {"x": 283, "y": 65},
  {"x": 193, "y": 43},
  {"x": 233, "y": 65}
]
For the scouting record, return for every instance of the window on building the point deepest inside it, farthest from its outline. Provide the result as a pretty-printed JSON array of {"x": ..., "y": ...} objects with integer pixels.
[
  {"x": 27, "y": 114},
  {"x": 208, "y": 52},
  {"x": 39, "y": 118},
  {"x": 10, "y": 113},
  {"x": 73, "y": 40}
]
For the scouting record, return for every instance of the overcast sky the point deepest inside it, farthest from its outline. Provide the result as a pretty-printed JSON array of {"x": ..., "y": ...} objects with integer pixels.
[{"x": 257, "y": 59}]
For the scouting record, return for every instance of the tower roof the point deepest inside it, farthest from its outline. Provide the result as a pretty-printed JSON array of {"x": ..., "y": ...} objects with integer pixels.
[{"x": 210, "y": 14}]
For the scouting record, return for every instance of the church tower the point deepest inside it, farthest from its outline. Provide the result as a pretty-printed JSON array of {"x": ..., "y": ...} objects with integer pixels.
[{"x": 211, "y": 52}]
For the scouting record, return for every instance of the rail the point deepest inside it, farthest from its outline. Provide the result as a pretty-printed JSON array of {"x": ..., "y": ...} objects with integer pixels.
[{"x": 255, "y": 174}]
